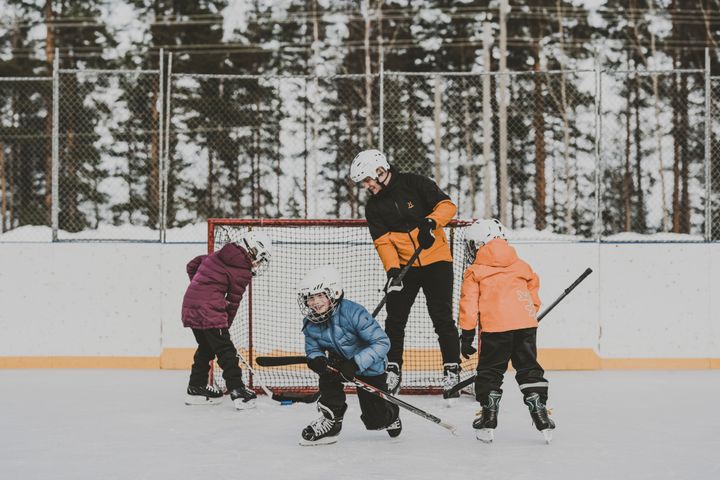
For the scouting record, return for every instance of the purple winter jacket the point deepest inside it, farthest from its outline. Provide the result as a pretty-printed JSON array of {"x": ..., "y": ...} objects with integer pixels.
[{"x": 217, "y": 284}]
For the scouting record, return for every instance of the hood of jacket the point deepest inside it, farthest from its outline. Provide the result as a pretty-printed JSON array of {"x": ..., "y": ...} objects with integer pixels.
[{"x": 496, "y": 253}]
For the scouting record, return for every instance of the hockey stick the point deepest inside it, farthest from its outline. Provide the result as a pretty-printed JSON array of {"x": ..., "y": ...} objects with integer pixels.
[
  {"x": 399, "y": 278},
  {"x": 295, "y": 360},
  {"x": 400, "y": 403},
  {"x": 459, "y": 386},
  {"x": 282, "y": 396}
]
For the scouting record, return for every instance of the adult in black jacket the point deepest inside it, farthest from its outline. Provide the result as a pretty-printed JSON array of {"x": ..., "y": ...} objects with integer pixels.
[{"x": 404, "y": 212}]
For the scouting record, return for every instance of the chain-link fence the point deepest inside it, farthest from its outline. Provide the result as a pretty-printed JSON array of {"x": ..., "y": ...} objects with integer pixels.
[
  {"x": 25, "y": 159},
  {"x": 565, "y": 155},
  {"x": 249, "y": 146},
  {"x": 109, "y": 155},
  {"x": 713, "y": 166}
]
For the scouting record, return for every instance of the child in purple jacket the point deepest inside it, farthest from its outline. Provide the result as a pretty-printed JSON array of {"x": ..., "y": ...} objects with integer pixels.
[{"x": 217, "y": 284}]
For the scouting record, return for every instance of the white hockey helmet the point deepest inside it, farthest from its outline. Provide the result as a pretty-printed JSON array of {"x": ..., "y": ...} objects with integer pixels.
[
  {"x": 259, "y": 246},
  {"x": 325, "y": 279},
  {"x": 366, "y": 164},
  {"x": 480, "y": 233}
]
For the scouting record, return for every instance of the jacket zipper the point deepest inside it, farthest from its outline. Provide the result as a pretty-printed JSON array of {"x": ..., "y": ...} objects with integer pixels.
[{"x": 409, "y": 236}]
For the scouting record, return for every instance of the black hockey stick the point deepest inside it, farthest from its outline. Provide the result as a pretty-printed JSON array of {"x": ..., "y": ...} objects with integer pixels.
[
  {"x": 400, "y": 403},
  {"x": 281, "y": 396},
  {"x": 295, "y": 360},
  {"x": 398, "y": 279},
  {"x": 459, "y": 386}
]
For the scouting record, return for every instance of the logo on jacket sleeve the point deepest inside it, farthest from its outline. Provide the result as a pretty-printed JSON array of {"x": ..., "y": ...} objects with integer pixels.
[{"x": 410, "y": 205}]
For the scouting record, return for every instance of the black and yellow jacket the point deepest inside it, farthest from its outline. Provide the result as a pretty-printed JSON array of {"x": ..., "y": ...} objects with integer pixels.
[{"x": 393, "y": 215}]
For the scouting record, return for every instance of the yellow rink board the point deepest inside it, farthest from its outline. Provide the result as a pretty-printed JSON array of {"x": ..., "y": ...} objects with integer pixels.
[{"x": 415, "y": 359}]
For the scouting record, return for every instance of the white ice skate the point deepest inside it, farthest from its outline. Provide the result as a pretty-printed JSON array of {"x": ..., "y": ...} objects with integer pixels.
[{"x": 485, "y": 435}]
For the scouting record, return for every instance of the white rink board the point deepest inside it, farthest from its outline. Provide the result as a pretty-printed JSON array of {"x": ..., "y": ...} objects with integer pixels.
[{"x": 124, "y": 299}]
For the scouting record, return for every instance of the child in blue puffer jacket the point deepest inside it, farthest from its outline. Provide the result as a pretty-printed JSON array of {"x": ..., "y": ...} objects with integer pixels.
[{"x": 357, "y": 347}]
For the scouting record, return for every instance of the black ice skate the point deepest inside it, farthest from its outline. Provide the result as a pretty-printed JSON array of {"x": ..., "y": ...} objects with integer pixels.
[
  {"x": 243, "y": 398},
  {"x": 486, "y": 420},
  {"x": 207, "y": 395},
  {"x": 394, "y": 376},
  {"x": 539, "y": 414},
  {"x": 326, "y": 429},
  {"x": 395, "y": 428},
  {"x": 451, "y": 377}
]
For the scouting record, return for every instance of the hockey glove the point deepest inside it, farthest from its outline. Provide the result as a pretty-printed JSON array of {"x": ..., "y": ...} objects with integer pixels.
[
  {"x": 392, "y": 285},
  {"x": 425, "y": 233},
  {"x": 466, "y": 343},
  {"x": 318, "y": 364},
  {"x": 347, "y": 369}
]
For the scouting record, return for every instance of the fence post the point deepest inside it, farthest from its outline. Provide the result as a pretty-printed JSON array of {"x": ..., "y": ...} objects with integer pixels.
[
  {"x": 598, "y": 135},
  {"x": 55, "y": 203},
  {"x": 381, "y": 133},
  {"x": 161, "y": 141},
  {"x": 708, "y": 150},
  {"x": 166, "y": 166}
]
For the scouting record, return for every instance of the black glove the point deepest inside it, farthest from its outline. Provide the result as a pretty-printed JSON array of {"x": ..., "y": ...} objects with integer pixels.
[
  {"x": 347, "y": 369},
  {"x": 391, "y": 285},
  {"x": 466, "y": 343},
  {"x": 425, "y": 232},
  {"x": 318, "y": 364}
]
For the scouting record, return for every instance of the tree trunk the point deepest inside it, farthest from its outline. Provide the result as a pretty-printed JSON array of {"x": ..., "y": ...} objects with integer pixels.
[
  {"x": 677, "y": 134},
  {"x": 368, "y": 77},
  {"x": 640, "y": 205},
  {"x": 685, "y": 160},
  {"x": 627, "y": 177},
  {"x": 153, "y": 190},
  {"x": 3, "y": 189},
  {"x": 50, "y": 58},
  {"x": 539, "y": 127}
]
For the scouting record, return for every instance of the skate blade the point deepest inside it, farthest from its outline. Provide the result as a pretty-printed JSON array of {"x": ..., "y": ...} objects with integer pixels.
[
  {"x": 547, "y": 433},
  {"x": 315, "y": 443},
  {"x": 200, "y": 400},
  {"x": 485, "y": 435},
  {"x": 240, "y": 405}
]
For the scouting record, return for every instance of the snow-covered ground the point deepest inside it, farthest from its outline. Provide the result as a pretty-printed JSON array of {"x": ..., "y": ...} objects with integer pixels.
[{"x": 115, "y": 424}]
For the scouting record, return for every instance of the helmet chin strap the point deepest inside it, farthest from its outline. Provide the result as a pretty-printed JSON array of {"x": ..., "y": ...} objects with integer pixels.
[{"x": 383, "y": 183}]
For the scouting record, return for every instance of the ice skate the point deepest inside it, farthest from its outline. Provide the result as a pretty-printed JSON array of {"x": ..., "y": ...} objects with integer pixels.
[
  {"x": 394, "y": 376},
  {"x": 326, "y": 429},
  {"x": 486, "y": 420},
  {"x": 395, "y": 428},
  {"x": 539, "y": 414},
  {"x": 207, "y": 395},
  {"x": 451, "y": 377},
  {"x": 243, "y": 398}
]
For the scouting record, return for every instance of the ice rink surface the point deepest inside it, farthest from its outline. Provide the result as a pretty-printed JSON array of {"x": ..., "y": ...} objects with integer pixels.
[{"x": 120, "y": 424}]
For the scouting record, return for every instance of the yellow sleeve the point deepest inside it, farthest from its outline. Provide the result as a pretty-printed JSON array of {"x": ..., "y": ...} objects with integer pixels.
[
  {"x": 388, "y": 253},
  {"x": 469, "y": 294},
  {"x": 443, "y": 212}
]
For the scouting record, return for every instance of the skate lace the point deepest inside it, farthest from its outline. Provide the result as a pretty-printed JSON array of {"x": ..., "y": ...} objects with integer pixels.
[
  {"x": 213, "y": 389},
  {"x": 322, "y": 425},
  {"x": 392, "y": 380},
  {"x": 450, "y": 380}
]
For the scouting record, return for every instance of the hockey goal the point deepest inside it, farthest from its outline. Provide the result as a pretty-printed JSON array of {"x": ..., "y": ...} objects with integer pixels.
[{"x": 269, "y": 322}]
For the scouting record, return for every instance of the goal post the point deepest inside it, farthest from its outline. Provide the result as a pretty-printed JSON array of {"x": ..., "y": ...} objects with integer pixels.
[{"x": 269, "y": 322}]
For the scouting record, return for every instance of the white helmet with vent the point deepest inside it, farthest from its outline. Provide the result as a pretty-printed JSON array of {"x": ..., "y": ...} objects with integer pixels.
[
  {"x": 258, "y": 245},
  {"x": 366, "y": 164},
  {"x": 480, "y": 233},
  {"x": 321, "y": 280}
]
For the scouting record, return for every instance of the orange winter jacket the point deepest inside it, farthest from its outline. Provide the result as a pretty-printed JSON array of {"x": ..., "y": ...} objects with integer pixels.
[{"x": 500, "y": 289}]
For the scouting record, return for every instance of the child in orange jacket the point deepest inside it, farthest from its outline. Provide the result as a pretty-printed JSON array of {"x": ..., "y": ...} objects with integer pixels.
[{"x": 501, "y": 291}]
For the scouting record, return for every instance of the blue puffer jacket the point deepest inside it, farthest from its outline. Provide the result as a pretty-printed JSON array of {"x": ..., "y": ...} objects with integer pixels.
[{"x": 351, "y": 332}]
